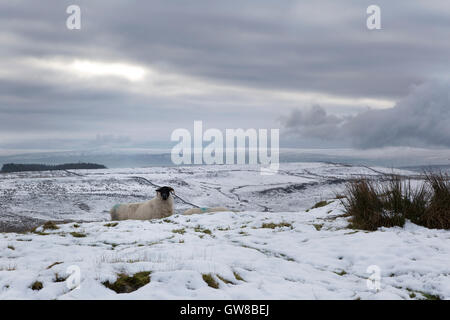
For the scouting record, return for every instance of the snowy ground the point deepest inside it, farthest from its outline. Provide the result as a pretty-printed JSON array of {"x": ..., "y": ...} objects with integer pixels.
[
  {"x": 29, "y": 199},
  {"x": 312, "y": 255}
]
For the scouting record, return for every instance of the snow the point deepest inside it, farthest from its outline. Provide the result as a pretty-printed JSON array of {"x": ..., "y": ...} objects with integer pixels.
[
  {"x": 315, "y": 256},
  {"x": 60, "y": 195}
]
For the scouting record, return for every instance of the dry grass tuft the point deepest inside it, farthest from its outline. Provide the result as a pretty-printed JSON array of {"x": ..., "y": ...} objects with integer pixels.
[{"x": 372, "y": 205}]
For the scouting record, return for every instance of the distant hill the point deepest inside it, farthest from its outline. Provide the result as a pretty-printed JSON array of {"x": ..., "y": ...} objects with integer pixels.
[{"x": 16, "y": 167}]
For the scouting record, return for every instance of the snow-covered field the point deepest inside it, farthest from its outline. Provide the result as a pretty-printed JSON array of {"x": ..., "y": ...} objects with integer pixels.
[
  {"x": 271, "y": 247},
  {"x": 27, "y": 199}
]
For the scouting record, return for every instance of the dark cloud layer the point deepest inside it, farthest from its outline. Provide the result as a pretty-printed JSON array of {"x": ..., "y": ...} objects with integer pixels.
[
  {"x": 229, "y": 63},
  {"x": 420, "y": 119},
  {"x": 313, "y": 122}
]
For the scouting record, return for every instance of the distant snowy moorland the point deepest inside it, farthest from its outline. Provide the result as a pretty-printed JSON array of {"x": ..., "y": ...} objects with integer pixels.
[{"x": 272, "y": 244}]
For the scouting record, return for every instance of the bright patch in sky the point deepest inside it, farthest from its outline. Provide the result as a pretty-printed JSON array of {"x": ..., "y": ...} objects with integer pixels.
[
  {"x": 95, "y": 69},
  {"x": 92, "y": 69}
]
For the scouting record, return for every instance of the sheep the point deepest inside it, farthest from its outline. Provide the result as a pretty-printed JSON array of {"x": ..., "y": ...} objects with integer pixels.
[
  {"x": 204, "y": 210},
  {"x": 160, "y": 206}
]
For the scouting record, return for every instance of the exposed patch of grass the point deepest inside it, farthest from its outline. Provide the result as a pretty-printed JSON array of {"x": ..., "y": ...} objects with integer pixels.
[
  {"x": 243, "y": 233},
  {"x": 50, "y": 225},
  {"x": 41, "y": 233},
  {"x": 127, "y": 284},
  {"x": 53, "y": 264},
  {"x": 76, "y": 225},
  {"x": 429, "y": 296},
  {"x": 11, "y": 247},
  {"x": 238, "y": 276},
  {"x": 285, "y": 257},
  {"x": 181, "y": 241},
  {"x": 224, "y": 280},
  {"x": 210, "y": 281},
  {"x": 78, "y": 234},
  {"x": 412, "y": 294},
  {"x": 272, "y": 225},
  {"x": 58, "y": 278},
  {"x": 37, "y": 285},
  {"x": 200, "y": 229},
  {"x": 341, "y": 273},
  {"x": 320, "y": 204},
  {"x": 180, "y": 231},
  {"x": 318, "y": 226},
  {"x": 112, "y": 224},
  {"x": 223, "y": 229}
]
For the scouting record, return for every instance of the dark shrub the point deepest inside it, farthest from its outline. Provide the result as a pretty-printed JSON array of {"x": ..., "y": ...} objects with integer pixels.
[
  {"x": 372, "y": 205},
  {"x": 365, "y": 205},
  {"x": 419, "y": 199},
  {"x": 437, "y": 214}
]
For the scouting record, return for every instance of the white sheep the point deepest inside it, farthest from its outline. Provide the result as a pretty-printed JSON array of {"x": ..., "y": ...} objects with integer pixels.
[
  {"x": 204, "y": 210},
  {"x": 160, "y": 206}
]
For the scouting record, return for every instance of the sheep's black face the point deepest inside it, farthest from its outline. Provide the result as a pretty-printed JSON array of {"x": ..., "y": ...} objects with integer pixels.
[{"x": 165, "y": 192}]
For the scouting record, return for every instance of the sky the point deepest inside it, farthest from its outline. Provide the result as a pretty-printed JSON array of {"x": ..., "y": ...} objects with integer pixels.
[{"x": 137, "y": 70}]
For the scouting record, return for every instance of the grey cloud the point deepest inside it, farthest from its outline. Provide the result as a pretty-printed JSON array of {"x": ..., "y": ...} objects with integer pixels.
[
  {"x": 290, "y": 45},
  {"x": 313, "y": 122},
  {"x": 421, "y": 119},
  {"x": 296, "y": 46},
  {"x": 110, "y": 139}
]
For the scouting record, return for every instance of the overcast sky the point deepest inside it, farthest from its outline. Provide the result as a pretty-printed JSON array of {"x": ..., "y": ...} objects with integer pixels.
[{"x": 137, "y": 70}]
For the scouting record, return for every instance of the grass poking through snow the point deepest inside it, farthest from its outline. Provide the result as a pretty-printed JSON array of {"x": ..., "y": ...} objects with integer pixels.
[
  {"x": 127, "y": 284},
  {"x": 372, "y": 204},
  {"x": 36, "y": 286},
  {"x": 210, "y": 281},
  {"x": 238, "y": 276},
  {"x": 112, "y": 224},
  {"x": 272, "y": 225},
  {"x": 320, "y": 204},
  {"x": 78, "y": 234},
  {"x": 50, "y": 225}
]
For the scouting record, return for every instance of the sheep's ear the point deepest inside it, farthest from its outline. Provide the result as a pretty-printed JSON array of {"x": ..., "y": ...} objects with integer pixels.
[{"x": 172, "y": 191}]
